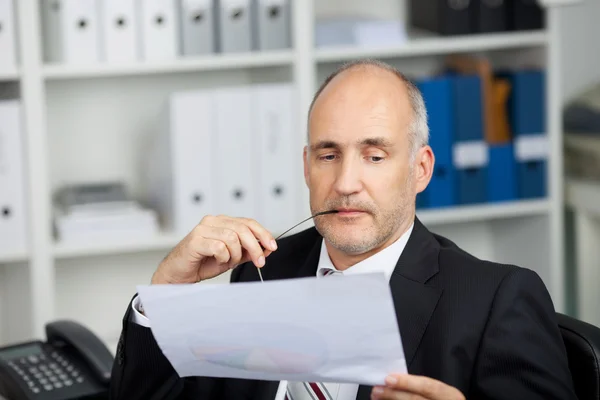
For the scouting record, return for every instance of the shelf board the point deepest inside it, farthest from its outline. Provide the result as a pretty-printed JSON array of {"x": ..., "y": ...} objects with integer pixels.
[
  {"x": 436, "y": 45},
  {"x": 485, "y": 212},
  {"x": 11, "y": 74},
  {"x": 582, "y": 196},
  {"x": 187, "y": 64},
  {"x": 13, "y": 257},
  {"x": 166, "y": 241},
  {"x": 161, "y": 242}
]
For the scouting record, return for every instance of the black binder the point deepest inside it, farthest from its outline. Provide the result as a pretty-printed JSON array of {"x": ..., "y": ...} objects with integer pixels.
[
  {"x": 525, "y": 15},
  {"x": 445, "y": 17},
  {"x": 490, "y": 15}
]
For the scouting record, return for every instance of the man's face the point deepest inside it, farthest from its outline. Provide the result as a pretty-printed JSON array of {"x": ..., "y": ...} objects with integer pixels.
[{"x": 358, "y": 160}]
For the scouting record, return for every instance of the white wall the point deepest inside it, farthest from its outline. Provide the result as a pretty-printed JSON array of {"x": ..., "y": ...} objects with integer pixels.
[{"x": 580, "y": 47}]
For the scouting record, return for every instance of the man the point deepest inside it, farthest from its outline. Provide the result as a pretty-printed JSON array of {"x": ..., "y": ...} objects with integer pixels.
[{"x": 470, "y": 329}]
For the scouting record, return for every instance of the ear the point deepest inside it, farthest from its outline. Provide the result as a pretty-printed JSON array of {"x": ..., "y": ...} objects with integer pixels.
[
  {"x": 424, "y": 163},
  {"x": 305, "y": 159}
]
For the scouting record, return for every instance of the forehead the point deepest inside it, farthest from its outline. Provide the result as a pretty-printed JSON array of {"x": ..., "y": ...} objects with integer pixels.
[{"x": 359, "y": 104}]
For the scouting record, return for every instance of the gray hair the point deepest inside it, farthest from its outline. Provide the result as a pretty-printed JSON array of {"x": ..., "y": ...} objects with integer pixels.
[{"x": 418, "y": 131}]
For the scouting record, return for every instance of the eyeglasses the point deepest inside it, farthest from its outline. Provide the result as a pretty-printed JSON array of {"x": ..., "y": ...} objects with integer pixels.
[{"x": 299, "y": 223}]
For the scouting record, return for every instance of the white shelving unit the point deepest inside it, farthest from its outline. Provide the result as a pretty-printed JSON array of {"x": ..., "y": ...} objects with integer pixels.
[
  {"x": 196, "y": 64},
  {"x": 86, "y": 124},
  {"x": 432, "y": 46},
  {"x": 9, "y": 75}
]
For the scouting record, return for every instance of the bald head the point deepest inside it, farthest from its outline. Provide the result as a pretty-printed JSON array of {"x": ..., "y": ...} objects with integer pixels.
[{"x": 371, "y": 83}]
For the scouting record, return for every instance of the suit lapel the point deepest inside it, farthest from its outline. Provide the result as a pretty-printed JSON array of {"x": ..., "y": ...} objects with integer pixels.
[
  {"x": 415, "y": 298},
  {"x": 413, "y": 294}
]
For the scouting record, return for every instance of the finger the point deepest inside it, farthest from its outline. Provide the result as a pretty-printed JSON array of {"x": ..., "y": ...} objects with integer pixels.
[
  {"x": 386, "y": 393},
  {"x": 211, "y": 248},
  {"x": 424, "y": 386},
  {"x": 261, "y": 233},
  {"x": 247, "y": 239},
  {"x": 227, "y": 236}
]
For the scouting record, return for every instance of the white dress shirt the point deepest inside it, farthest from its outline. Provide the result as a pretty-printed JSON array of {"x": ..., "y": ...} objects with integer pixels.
[{"x": 384, "y": 261}]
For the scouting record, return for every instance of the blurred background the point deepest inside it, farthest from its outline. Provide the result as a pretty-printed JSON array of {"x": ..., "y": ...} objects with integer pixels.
[{"x": 123, "y": 122}]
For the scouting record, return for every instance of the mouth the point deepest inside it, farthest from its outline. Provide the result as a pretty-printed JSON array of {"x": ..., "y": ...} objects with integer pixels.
[{"x": 349, "y": 212}]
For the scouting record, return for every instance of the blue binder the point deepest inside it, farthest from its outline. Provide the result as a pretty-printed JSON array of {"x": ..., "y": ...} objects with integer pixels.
[
  {"x": 527, "y": 107},
  {"x": 437, "y": 93},
  {"x": 422, "y": 202},
  {"x": 532, "y": 179},
  {"x": 502, "y": 178},
  {"x": 469, "y": 130}
]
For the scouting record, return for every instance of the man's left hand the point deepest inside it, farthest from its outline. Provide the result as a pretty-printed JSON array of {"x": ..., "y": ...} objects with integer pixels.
[{"x": 404, "y": 386}]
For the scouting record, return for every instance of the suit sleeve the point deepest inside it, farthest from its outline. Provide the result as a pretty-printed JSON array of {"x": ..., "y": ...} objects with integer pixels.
[
  {"x": 522, "y": 354},
  {"x": 141, "y": 371}
]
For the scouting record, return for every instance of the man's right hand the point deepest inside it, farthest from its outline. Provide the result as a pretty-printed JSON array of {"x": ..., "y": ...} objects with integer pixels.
[{"x": 216, "y": 245}]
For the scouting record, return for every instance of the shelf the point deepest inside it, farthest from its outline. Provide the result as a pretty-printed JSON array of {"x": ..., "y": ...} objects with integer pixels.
[
  {"x": 9, "y": 75},
  {"x": 195, "y": 64},
  {"x": 165, "y": 241},
  {"x": 435, "y": 45},
  {"x": 583, "y": 195},
  {"x": 13, "y": 257},
  {"x": 159, "y": 243},
  {"x": 484, "y": 212}
]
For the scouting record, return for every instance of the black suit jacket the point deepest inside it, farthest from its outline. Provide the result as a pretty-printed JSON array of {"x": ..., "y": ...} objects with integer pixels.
[{"x": 487, "y": 329}]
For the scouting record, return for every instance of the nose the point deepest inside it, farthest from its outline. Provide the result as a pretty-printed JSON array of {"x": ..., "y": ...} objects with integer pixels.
[{"x": 348, "y": 180}]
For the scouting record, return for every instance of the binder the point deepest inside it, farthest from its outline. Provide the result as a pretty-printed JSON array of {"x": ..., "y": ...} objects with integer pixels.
[
  {"x": 437, "y": 94},
  {"x": 445, "y": 17},
  {"x": 235, "y": 156},
  {"x": 275, "y": 131},
  {"x": 532, "y": 166},
  {"x": 502, "y": 182},
  {"x": 495, "y": 95},
  {"x": 119, "y": 31},
  {"x": 525, "y": 15},
  {"x": 197, "y": 30},
  {"x": 179, "y": 167},
  {"x": 527, "y": 102},
  {"x": 490, "y": 16},
  {"x": 234, "y": 30},
  {"x": 71, "y": 31},
  {"x": 527, "y": 105},
  {"x": 8, "y": 47},
  {"x": 271, "y": 24},
  {"x": 13, "y": 219},
  {"x": 470, "y": 150},
  {"x": 158, "y": 29},
  {"x": 422, "y": 201}
]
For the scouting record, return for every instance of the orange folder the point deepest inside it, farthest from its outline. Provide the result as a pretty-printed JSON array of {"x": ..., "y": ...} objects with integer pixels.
[{"x": 495, "y": 92}]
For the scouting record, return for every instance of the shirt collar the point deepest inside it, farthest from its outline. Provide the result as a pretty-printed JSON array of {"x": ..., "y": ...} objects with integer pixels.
[{"x": 384, "y": 261}]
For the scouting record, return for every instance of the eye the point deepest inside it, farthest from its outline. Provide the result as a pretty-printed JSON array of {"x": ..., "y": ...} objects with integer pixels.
[
  {"x": 376, "y": 159},
  {"x": 327, "y": 157}
]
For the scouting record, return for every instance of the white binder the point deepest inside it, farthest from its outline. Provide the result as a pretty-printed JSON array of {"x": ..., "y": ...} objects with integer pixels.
[
  {"x": 197, "y": 27},
  {"x": 234, "y": 26},
  {"x": 119, "y": 31},
  {"x": 8, "y": 46},
  {"x": 235, "y": 157},
  {"x": 180, "y": 171},
  {"x": 158, "y": 29},
  {"x": 13, "y": 222},
  {"x": 271, "y": 24},
  {"x": 71, "y": 31},
  {"x": 179, "y": 181},
  {"x": 275, "y": 130}
]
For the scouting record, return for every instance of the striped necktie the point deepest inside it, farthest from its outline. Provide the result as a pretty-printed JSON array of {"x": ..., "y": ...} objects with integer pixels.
[{"x": 313, "y": 390}]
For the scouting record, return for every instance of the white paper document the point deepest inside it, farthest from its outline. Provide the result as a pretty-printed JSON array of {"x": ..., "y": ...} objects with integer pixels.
[{"x": 335, "y": 329}]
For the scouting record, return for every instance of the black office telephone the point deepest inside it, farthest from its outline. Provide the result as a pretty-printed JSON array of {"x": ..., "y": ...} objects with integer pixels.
[{"x": 72, "y": 364}]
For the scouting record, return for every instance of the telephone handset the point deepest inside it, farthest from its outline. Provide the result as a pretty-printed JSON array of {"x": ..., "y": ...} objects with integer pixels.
[{"x": 72, "y": 364}]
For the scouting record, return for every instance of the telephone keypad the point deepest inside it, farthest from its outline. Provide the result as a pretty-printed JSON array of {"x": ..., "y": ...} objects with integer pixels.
[{"x": 46, "y": 373}]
